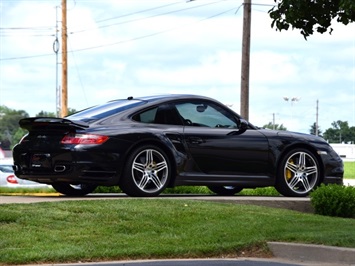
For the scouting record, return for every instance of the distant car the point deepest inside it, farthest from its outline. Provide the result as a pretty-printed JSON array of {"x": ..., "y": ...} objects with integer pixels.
[
  {"x": 8, "y": 178},
  {"x": 2, "y": 154},
  {"x": 144, "y": 145}
]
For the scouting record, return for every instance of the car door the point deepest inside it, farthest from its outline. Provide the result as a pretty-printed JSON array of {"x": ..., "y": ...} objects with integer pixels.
[{"x": 217, "y": 146}]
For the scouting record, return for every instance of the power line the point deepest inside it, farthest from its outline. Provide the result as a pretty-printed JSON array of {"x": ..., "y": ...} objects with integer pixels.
[
  {"x": 125, "y": 41},
  {"x": 153, "y": 34},
  {"x": 145, "y": 18}
]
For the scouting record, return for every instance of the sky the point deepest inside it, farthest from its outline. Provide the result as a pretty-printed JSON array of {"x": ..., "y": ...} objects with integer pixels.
[{"x": 121, "y": 48}]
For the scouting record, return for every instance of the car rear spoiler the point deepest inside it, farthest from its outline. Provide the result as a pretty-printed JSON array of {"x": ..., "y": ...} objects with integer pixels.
[{"x": 46, "y": 122}]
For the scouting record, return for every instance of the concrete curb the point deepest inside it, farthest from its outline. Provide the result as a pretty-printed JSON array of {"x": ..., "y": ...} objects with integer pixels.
[{"x": 313, "y": 253}]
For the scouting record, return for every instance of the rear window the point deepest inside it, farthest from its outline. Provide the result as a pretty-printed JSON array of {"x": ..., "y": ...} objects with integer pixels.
[{"x": 105, "y": 110}]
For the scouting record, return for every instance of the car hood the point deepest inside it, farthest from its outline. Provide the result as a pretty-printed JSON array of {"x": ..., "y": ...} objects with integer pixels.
[{"x": 291, "y": 134}]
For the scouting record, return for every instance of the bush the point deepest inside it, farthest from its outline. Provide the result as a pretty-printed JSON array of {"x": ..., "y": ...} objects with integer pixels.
[{"x": 334, "y": 200}]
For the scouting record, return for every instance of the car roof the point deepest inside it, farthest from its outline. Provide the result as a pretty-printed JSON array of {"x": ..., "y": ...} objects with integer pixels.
[
  {"x": 6, "y": 161},
  {"x": 153, "y": 98}
]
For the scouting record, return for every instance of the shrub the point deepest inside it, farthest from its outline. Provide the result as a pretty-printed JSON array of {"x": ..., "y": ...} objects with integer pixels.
[{"x": 334, "y": 200}]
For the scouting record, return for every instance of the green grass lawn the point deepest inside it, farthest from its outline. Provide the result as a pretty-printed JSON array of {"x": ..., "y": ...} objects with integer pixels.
[
  {"x": 349, "y": 170},
  {"x": 119, "y": 229}
]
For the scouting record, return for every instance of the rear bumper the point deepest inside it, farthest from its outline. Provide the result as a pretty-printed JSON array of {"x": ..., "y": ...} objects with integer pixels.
[{"x": 70, "y": 167}]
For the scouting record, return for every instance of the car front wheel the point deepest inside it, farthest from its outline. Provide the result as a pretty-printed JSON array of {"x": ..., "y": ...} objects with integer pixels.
[
  {"x": 298, "y": 173},
  {"x": 147, "y": 172},
  {"x": 74, "y": 190},
  {"x": 225, "y": 190}
]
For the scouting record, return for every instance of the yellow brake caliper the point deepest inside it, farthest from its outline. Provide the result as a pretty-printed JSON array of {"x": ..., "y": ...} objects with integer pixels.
[{"x": 288, "y": 171}]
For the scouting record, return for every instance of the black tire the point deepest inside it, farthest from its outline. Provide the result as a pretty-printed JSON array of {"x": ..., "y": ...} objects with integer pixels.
[
  {"x": 225, "y": 190},
  {"x": 147, "y": 172},
  {"x": 298, "y": 173},
  {"x": 74, "y": 190}
]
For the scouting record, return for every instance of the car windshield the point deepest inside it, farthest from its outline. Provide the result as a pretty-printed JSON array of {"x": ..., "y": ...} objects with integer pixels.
[
  {"x": 6, "y": 168},
  {"x": 104, "y": 110}
]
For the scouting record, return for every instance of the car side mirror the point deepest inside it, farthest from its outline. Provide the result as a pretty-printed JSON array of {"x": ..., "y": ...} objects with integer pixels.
[{"x": 243, "y": 125}]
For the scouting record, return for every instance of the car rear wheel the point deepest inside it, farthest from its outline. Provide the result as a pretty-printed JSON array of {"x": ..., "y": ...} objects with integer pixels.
[
  {"x": 298, "y": 173},
  {"x": 74, "y": 190},
  {"x": 225, "y": 190},
  {"x": 147, "y": 172}
]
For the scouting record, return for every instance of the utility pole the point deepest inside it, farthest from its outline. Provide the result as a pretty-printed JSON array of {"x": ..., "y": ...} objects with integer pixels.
[
  {"x": 64, "y": 96},
  {"x": 56, "y": 50},
  {"x": 244, "y": 90}
]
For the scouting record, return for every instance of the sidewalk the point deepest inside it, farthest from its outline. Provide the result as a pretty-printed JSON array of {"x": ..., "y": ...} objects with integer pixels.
[
  {"x": 323, "y": 255},
  {"x": 349, "y": 182}
]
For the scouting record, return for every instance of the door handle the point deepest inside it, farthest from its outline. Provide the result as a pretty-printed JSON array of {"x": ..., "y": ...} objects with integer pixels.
[{"x": 195, "y": 140}]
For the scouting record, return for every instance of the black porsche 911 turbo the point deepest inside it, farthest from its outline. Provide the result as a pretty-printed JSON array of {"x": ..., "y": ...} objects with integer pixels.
[{"x": 144, "y": 145}]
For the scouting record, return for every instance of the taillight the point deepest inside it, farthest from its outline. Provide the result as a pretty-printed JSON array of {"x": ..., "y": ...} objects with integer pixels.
[
  {"x": 11, "y": 179},
  {"x": 84, "y": 139}
]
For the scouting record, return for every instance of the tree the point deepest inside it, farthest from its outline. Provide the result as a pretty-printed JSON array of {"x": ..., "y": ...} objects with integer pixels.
[
  {"x": 310, "y": 15},
  {"x": 45, "y": 114},
  {"x": 340, "y": 132},
  {"x": 9, "y": 125},
  {"x": 313, "y": 130},
  {"x": 274, "y": 126}
]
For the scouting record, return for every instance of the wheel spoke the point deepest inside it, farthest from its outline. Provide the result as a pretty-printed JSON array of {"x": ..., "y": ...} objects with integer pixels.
[
  {"x": 144, "y": 181},
  {"x": 311, "y": 170},
  {"x": 302, "y": 159},
  {"x": 149, "y": 157},
  {"x": 292, "y": 167},
  {"x": 156, "y": 181},
  {"x": 305, "y": 183},
  {"x": 160, "y": 166},
  {"x": 139, "y": 167},
  {"x": 294, "y": 181}
]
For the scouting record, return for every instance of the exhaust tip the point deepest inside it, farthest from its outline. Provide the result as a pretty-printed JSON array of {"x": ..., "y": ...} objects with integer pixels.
[{"x": 59, "y": 168}]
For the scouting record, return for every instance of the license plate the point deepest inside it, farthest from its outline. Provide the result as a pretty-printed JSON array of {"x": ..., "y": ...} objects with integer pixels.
[{"x": 41, "y": 160}]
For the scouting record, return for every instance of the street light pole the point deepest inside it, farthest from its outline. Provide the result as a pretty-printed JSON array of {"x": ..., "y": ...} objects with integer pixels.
[{"x": 292, "y": 100}]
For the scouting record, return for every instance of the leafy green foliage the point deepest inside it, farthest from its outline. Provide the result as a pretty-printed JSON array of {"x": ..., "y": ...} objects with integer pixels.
[
  {"x": 10, "y": 131},
  {"x": 340, "y": 132},
  {"x": 9, "y": 126},
  {"x": 313, "y": 130},
  {"x": 270, "y": 125},
  {"x": 311, "y": 15},
  {"x": 46, "y": 114},
  {"x": 334, "y": 200}
]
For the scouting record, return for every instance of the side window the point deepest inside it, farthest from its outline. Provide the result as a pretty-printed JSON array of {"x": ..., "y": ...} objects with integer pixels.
[
  {"x": 165, "y": 114},
  {"x": 146, "y": 116},
  {"x": 206, "y": 114}
]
